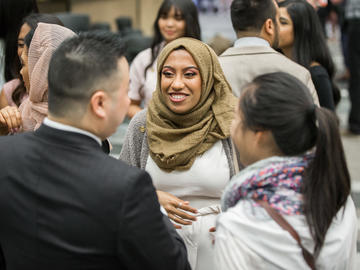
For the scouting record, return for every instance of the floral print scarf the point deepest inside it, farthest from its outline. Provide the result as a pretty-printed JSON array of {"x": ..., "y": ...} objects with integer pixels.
[{"x": 277, "y": 180}]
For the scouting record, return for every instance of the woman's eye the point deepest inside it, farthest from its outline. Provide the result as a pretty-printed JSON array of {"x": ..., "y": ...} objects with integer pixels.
[
  {"x": 190, "y": 74},
  {"x": 179, "y": 18},
  {"x": 21, "y": 45},
  {"x": 167, "y": 73}
]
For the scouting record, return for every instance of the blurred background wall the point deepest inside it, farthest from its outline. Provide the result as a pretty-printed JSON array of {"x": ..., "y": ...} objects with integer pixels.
[{"x": 142, "y": 12}]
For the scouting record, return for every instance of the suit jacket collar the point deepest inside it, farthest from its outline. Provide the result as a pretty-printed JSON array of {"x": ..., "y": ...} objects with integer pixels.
[
  {"x": 248, "y": 50},
  {"x": 73, "y": 139}
]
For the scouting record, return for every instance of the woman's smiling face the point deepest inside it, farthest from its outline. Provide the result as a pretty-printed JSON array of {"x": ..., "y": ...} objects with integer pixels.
[{"x": 180, "y": 82}]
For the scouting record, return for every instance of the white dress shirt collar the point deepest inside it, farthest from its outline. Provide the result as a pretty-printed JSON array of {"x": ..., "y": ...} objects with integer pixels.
[
  {"x": 250, "y": 41},
  {"x": 57, "y": 125}
]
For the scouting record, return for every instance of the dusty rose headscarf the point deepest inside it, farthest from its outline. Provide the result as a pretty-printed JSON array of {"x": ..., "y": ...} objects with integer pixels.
[{"x": 47, "y": 38}]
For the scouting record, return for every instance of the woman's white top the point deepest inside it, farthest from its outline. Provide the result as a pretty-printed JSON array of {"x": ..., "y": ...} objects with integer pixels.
[
  {"x": 202, "y": 186},
  {"x": 247, "y": 238},
  {"x": 141, "y": 88}
]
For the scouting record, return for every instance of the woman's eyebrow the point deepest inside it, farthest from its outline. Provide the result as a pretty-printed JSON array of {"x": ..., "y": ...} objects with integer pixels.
[
  {"x": 191, "y": 67},
  {"x": 283, "y": 18}
]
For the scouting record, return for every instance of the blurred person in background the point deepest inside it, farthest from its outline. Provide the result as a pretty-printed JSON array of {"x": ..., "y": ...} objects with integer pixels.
[
  {"x": 256, "y": 25},
  {"x": 40, "y": 43},
  {"x": 352, "y": 15},
  {"x": 302, "y": 40},
  {"x": 12, "y": 12},
  {"x": 14, "y": 92},
  {"x": 182, "y": 141},
  {"x": 290, "y": 208},
  {"x": 175, "y": 19}
]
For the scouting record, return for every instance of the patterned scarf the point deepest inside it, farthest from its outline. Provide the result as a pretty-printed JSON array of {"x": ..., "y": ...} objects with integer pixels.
[{"x": 277, "y": 180}]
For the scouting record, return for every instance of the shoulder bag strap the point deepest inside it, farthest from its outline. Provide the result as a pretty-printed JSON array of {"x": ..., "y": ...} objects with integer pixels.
[
  {"x": 235, "y": 157},
  {"x": 279, "y": 219}
]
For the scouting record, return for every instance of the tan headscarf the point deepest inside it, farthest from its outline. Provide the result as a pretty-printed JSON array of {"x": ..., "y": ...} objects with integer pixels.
[
  {"x": 175, "y": 140},
  {"x": 47, "y": 38}
]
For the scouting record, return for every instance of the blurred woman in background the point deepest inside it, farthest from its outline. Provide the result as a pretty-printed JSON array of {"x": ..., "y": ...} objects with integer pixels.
[
  {"x": 40, "y": 44},
  {"x": 302, "y": 39},
  {"x": 12, "y": 12},
  {"x": 14, "y": 91},
  {"x": 175, "y": 19}
]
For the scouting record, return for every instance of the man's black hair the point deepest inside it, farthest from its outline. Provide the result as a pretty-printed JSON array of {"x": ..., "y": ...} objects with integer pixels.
[{"x": 79, "y": 67}]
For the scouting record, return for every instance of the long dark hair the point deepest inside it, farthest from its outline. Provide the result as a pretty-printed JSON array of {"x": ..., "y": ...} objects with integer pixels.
[
  {"x": 11, "y": 16},
  {"x": 188, "y": 11},
  {"x": 280, "y": 103},
  {"x": 309, "y": 39},
  {"x": 32, "y": 21}
]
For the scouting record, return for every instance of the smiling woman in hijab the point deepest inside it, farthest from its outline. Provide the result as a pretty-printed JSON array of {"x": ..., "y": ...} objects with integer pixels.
[
  {"x": 182, "y": 141},
  {"x": 35, "y": 58}
]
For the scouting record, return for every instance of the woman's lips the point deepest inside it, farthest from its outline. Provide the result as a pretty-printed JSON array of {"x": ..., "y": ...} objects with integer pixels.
[
  {"x": 170, "y": 33},
  {"x": 177, "y": 97}
]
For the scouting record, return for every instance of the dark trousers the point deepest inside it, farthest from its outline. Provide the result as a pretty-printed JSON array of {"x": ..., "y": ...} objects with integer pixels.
[{"x": 354, "y": 67}]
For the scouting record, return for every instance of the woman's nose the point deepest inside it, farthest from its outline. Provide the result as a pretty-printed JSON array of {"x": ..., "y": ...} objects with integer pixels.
[
  {"x": 178, "y": 83},
  {"x": 169, "y": 22}
]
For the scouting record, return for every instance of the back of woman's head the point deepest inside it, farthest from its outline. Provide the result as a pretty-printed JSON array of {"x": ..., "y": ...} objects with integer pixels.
[
  {"x": 284, "y": 111},
  {"x": 280, "y": 103}
]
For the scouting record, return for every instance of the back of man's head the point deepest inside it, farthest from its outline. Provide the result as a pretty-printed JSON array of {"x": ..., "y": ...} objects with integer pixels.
[
  {"x": 79, "y": 67},
  {"x": 250, "y": 15}
]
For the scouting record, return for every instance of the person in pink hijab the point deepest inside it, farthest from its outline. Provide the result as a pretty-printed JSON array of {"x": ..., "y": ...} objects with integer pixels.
[{"x": 35, "y": 60}]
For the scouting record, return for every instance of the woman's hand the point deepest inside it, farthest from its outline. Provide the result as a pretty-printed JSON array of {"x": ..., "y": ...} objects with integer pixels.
[
  {"x": 10, "y": 119},
  {"x": 173, "y": 205}
]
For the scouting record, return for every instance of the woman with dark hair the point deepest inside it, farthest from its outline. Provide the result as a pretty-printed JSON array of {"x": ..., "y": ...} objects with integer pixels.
[
  {"x": 290, "y": 208},
  {"x": 183, "y": 141},
  {"x": 40, "y": 44},
  {"x": 175, "y": 19},
  {"x": 14, "y": 92},
  {"x": 12, "y": 13},
  {"x": 302, "y": 39}
]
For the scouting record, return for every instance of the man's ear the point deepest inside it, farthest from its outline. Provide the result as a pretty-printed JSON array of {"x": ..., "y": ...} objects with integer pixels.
[
  {"x": 269, "y": 27},
  {"x": 98, "y": 103}
]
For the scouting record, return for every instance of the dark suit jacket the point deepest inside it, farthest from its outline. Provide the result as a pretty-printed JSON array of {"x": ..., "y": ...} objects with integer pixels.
[{"x": 64, "y": 204}]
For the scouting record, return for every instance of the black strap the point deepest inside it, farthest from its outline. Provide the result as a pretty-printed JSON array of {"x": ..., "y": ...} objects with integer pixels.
[{"x": 279, "y": 219}]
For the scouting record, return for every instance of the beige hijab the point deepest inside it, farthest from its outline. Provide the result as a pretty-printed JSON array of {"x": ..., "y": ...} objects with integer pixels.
[
  {"x": 47, "y": 38},
  {"x": 175, "y": 140}
]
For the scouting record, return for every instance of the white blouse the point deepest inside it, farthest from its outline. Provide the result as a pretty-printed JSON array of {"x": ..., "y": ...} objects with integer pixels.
[
  {"x": 202, "y": 184},
  {"x": 141, "y": 88},
  {"x": 247, "y": 238}
]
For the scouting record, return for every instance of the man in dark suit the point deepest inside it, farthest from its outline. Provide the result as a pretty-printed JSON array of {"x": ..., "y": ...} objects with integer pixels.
[{"x": 65, "y": 204}]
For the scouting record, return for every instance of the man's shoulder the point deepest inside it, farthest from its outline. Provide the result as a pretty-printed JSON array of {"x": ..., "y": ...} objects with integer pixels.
[
  {"x": 262, "y": 56},
  {"x": 16, "y": 140},
  {"x": 247, "y": 50}
]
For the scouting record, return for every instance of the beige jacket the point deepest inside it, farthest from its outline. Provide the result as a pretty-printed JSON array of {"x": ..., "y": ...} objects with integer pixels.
[{"x": 241, "y": 65}]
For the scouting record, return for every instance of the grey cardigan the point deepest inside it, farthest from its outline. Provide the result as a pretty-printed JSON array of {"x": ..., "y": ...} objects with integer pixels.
[{"x": 135, "y": 150}]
